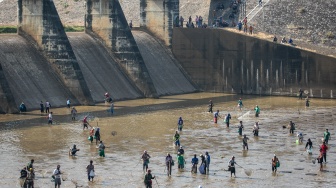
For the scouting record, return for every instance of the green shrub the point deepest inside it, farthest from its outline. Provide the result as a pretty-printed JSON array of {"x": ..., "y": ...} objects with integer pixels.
[
  {"x": 8, "y": 29},
  {"x": 74, "y": 28}
]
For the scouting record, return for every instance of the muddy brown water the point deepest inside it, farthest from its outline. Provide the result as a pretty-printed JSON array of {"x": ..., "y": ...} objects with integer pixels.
[{"x": 149, "y": 124}]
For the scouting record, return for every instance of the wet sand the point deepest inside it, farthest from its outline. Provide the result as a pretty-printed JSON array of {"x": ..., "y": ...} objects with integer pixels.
[{"x": 149, "y": 124}]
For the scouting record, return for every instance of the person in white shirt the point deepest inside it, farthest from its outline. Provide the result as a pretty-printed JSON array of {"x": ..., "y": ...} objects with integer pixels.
[
  {"x": 50, "y": 118},
  {"x": 57, "y": 175}
]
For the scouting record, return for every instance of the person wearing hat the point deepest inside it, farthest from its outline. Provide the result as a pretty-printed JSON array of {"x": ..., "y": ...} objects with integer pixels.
[
  {"x": 257, "y": 111},
  {"x": 73, "y": 113},
  {"x": 169, "y": 163},
  {"x": 31, "y": 170},
  {"x": 232, "y": 168},
  {"x": 30, "y": 178},
  {"x": 245, "y": 138},
  {"x": 145, "y": 160},
  {"x": 148, "y": 179},
  {"x": 181, "y": 150},
  {"x": 194, "y": 162},
  {"x": 180, "y": 124},
  {"x": 240, "y": 104},
  {"x": 210, "y": 106},
  {"x": 326, "y": 136},
  {"x": 57, "y": 175},
  {"x": 275, "y": 163},
  {"x": 73, "y": 150},
  {"x": 180, "y": 160}
]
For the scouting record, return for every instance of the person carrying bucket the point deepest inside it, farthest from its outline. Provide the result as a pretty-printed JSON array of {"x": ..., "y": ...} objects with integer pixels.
[
  {"x": 101, "y": 149},
  {"x": 91, "y": 134},
  {"x": 300, "y": 137},
  {"x": 202, "y": 167},
  {"x": 309, "y": 146},
  {"x": 275, "y": 164}
]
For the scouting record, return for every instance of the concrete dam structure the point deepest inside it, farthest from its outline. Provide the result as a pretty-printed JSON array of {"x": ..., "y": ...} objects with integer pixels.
[
  {"x": 222, "y": 61},
  {"x": 44, "y": 63}
]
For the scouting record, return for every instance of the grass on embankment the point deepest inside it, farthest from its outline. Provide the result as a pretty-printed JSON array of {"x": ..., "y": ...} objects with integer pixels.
[
  {"x": 8, "y": 29},
  {"x": 13, "y": 29}
]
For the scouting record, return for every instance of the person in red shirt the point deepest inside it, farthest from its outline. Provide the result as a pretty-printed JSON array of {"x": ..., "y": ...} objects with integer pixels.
[{"x": 323, "y": 150}]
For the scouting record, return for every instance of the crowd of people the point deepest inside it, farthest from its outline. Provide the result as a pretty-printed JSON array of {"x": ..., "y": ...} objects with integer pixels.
[{"x": 27, "y": 174}]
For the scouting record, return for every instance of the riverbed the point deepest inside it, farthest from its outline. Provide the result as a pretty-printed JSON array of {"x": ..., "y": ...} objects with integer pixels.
[{"x": 149, "y": 124}]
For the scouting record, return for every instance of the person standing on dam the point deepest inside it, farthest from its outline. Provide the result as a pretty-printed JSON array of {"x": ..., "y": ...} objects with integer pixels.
[
  {"x": 41, "y": 107},
  {"x": 47, "y": 107}
]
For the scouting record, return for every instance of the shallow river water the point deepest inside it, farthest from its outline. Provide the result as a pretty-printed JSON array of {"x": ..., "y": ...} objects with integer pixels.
[{"x": 149, "y": 124}]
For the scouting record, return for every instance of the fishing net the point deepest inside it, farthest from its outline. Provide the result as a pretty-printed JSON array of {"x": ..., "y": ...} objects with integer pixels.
[{"x": 248, "y": 172}]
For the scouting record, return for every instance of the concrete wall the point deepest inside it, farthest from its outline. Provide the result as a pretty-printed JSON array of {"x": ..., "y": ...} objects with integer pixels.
[
  {"x": 7, "y": 100},
  {"x": 218, "y": 60},
  {"x": 157, "y": 16},
  {"x": 40, "y": 23},
  {"x": 106, "y": 21}
]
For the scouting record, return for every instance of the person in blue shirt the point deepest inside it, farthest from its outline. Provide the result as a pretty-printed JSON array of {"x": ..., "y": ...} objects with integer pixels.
[
  {"x": 180, "y": 124},
  {"x": 216, "y": 116},
  {"x": 194, "y": 162},
  {"x": 227, "y": 120},
  {"x": 23, "y": 107}
]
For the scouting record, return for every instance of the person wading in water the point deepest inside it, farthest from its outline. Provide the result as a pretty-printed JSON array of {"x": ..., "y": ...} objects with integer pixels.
[
  {"x": 169, "y": 163},
  {"x": 194, "y": 162},
  {"x": 145, "y": 160},
  {"x": 148, "y": 179},
  {"x": 232, "y": 168},
  {"x": 275, "y": 164}
]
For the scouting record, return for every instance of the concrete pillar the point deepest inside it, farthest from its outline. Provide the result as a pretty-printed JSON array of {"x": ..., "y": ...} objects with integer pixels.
[
  {"x": 105, "y": 20},
  {"x": 158, "y": 17},
  {"x": 39, "y": 22}
]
